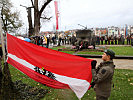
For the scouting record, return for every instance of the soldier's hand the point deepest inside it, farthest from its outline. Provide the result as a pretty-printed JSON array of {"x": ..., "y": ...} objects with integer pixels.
[
  {"x": 92, "y": 84},
  {"x": 93, "y": 64}
]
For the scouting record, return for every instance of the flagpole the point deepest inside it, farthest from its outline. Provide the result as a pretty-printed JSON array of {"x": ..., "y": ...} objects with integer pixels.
[{"x": 2, "y": 41}]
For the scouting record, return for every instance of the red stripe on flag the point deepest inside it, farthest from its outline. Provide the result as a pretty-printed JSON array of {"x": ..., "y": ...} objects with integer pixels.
[{"x": 37, "y": 76}]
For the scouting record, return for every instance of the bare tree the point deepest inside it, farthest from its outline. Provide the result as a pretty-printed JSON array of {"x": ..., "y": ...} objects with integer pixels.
[{"x": 38, "y": 14}]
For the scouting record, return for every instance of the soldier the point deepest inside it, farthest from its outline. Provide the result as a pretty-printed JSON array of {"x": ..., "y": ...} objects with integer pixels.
[
  {"x": 73, "y": 40},
  {"x": 93, "y": 41},
  {"x": 132, "y": 41},
  {"x": 102, "y": 76}
]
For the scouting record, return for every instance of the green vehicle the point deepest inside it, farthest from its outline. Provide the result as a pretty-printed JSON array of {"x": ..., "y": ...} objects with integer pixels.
[{"x": 84, "y": 38}]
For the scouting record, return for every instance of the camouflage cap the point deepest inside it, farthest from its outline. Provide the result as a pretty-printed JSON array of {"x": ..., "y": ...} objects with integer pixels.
[{"x": 110, "y": 52}]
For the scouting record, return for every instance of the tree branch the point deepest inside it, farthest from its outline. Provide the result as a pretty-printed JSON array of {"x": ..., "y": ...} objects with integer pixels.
[
  {"x": 24, "y": 6},
  {"x": 32, "y": 3},
  {"x": 46, "y": 18},
  {"x": 44, "y": 6}
]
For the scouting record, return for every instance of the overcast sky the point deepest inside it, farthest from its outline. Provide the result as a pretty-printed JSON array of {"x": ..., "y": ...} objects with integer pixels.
[{"x": 90, "y": 13}]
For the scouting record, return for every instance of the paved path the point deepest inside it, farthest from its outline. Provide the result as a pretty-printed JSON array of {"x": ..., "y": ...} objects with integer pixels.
[{"x": 120, "y": 63}]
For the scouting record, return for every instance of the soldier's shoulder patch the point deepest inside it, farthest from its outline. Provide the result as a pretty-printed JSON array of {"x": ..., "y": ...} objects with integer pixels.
[{"x": 103, "y": 71}]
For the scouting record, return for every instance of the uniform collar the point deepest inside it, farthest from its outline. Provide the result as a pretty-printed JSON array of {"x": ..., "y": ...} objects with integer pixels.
[{"x": 106, "y": 62}]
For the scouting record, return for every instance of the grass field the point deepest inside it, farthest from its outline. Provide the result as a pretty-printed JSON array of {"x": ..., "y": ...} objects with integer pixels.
[
  {"x": 119, "y": 50},
  {"x": 128, "y": 51},
  {"x": 56, "y": 48},
  {"x": 123, "y": 80}
]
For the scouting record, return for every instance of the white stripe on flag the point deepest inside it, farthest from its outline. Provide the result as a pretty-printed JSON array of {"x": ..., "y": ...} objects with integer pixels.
[{"x": 79, "y": 86}]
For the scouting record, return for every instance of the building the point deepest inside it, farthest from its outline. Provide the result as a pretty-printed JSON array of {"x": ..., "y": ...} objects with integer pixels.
[
  {"x": 131, "y": 30},
  {"x": 101, "y": 31},
  {"x": 113, "y": 31}
]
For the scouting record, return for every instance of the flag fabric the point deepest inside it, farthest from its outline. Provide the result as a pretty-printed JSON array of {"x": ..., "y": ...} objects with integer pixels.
[
  {"x": 56, "y": 14},
  {"x": 126, "y": 31},
  {"x": 52, "y": 68}
]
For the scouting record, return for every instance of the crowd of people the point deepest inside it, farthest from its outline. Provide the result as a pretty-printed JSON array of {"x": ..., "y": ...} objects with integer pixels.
[
  {"x": 60, "y": 39},
  {"x": 114, "y": 40},
  {"x": 47, "y": 39}
]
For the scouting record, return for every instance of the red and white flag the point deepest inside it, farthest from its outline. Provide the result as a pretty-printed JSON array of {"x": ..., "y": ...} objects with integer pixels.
[
  {"x": 52, "y": 68},
  {"x": 56, "y": 14}
]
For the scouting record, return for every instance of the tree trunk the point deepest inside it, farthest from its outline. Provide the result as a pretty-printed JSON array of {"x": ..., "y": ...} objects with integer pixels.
[
  {"x": 31, "y": 30},
  {"x": 37, "y": 15},
  {"x": 0, "y": 75},
  {"x": 36, "y": 18},
  {"x": 6, "y": 84}
]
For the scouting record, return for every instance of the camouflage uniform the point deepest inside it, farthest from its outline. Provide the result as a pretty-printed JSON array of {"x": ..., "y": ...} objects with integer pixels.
[{"x": 102, "y": 77}]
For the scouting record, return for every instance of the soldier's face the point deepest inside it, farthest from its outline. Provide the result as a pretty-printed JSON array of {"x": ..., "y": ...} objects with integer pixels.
[{"x": 105, "y": 57}]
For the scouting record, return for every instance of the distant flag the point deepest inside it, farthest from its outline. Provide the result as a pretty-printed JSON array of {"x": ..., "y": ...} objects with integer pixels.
[
  {"x": 52, "y": 68},
  {"x": 107, "y": 30},
  {"x": 126, "y": 31},
  {"x": 56, "y": 14}
]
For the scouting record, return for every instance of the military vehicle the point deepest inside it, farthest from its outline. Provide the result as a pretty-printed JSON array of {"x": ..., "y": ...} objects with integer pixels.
[{"x": 84, "y": 38}]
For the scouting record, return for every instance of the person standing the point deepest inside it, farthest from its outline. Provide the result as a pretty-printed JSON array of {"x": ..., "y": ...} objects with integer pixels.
[
  {"x": 44, "y": 41},
  {"x": 102, "y": 76},
  {"x": 32, "y": 40},
  {"x": 93, "y": 41},
  {"x": 101, "y": 40},
  {"x": 53, "y": 39},
  {"x": 109, "y": 40},
  {"x": 112, "y": 40},
  {"x": 128, "y": 39},
  {"x": 73, "y": 40},
  {"x": 115, "y": 38},
  {"x": 122, "y": 39},
  {"x": 119, "y": 40},
  {"x": 132, "y": 40},
  {"x": 48, "y": 40},
  {"x": 98, "y": 40},
  {"x": 106, "y": 39},
  {"x": 59, "y": 39}
]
